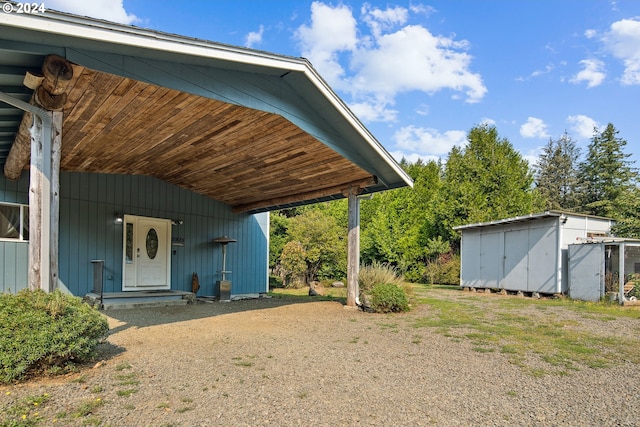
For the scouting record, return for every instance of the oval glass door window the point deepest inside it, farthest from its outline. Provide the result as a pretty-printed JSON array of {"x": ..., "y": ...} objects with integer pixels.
[{"x": 152, "y": 243}]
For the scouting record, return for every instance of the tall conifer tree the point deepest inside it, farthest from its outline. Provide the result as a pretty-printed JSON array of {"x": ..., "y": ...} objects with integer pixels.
[
  {"x": 606, "y": 173},
  {"x": 556, "y": 174}
]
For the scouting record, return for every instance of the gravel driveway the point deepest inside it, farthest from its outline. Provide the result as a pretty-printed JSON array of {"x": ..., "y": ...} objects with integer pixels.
[{"x": 272, "y": 362}]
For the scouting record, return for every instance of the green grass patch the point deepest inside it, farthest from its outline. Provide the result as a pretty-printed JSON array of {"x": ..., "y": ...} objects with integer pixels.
[
  {"x": 23, "y": 413},
  {"x": 522, "y": 328},
  {"x": 87, "y": 407},
  {"x": 126, "y": 393},
  {"x": 127, "y": 379}
]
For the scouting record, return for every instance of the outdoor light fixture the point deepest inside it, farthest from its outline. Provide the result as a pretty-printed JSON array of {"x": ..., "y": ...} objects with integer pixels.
[
  {"x": 119, "y": 219},
  {"x": 177, "y": 222}
]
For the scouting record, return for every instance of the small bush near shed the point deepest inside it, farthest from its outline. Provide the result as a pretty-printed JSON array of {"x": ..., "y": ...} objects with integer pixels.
[
  {"x": 388, "y": 297},
  {"x": 46, "y": 332}
]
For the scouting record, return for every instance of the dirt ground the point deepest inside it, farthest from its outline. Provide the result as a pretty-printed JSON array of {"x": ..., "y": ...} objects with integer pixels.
[{"x": 289, "y": 363}]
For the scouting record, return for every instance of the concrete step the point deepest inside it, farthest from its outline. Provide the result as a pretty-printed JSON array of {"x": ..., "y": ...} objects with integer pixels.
[
  {"x": 135, "y": 303},
  {"x": 139, "y": 299}
]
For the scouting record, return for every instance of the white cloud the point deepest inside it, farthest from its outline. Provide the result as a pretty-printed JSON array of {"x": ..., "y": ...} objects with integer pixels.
[
  {"x": 110, "y": 10},
  {"x": 582, "y": 125},
  {"x": 383, "y": 20},
  {"x": 374, "y": 111},
  {"x": 414, "y": 59},
  {"x": 390, "y": 58},
  {"x": 487, "y": 121},
  {"x": 412, "y": 157},
  {"x": 623, "y": 42},
  {"x": 590, "y": 34},
  {"x": 422, "y": 9},
  {"x": 592, "y": 73},
  {"x": 532, "y": 156},
  {"x": 428, "y": 142},
  {"x": 254, "y": 38},
  {"x": 537, "y": 73},
  {"x": 534, "y": 128},
  {"x": 332, "y": 31}
]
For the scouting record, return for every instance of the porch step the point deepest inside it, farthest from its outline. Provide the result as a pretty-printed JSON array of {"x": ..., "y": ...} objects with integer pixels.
[{"x": 139, "y": 299}]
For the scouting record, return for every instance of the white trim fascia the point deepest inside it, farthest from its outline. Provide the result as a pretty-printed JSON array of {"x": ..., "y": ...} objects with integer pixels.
[{"x": 113, "y": 33}]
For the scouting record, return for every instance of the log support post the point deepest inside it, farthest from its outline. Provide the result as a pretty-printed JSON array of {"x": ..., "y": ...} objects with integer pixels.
[
  {"x": 44, "y": 182},
  {"x": 46, "y": 137},
  {"x": 353, "y": 247}
]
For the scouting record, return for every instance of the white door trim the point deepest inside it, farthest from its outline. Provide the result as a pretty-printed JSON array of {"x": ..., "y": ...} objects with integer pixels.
[{"x": 133, "y": 246}]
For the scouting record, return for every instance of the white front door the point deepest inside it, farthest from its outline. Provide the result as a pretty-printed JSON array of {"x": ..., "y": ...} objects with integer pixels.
[{"x": 146, "y": 253}]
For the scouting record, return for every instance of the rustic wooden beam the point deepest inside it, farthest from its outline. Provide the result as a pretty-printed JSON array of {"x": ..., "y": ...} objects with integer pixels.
[
  {"x": 57, "y": 74},
  {"x": 21, "y": 148},
  {"x": 336, "y": 189},
  {"x": 353, "y": 247},
  {"x": 49, "y": 93}
]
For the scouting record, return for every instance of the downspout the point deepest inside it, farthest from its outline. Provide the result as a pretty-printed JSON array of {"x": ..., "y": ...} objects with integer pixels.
[
  {"x": 45, "y": 138},
  {"x": 562, "y": 220}
]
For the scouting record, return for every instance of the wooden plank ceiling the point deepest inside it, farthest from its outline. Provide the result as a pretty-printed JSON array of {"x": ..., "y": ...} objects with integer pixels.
[{"x": 245, "y": 158}]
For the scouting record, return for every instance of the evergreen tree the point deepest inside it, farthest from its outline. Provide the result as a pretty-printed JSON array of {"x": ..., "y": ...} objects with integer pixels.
[
  {"x": 627, "y": 207},
  {"x": 606, "y": 173},
  {"x": 396, "y": 225},
  {"x": 556, "y": 173},
  {"x": 484, "y": 181}
]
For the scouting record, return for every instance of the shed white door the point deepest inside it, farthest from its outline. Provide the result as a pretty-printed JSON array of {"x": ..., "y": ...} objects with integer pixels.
[
  {"x": 147, "y": 254},
  {"x": 516, "y": 259},
  {"x": 586, "y": 272}
]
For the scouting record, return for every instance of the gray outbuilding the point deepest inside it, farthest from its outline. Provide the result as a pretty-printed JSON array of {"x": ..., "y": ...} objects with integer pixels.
[
  {"x": 608, "y": 267},
  {"x": 525, "y": 253}
]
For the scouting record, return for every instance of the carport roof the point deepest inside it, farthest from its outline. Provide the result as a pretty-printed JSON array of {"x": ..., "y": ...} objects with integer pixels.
[{"x": 255, "y": 130}]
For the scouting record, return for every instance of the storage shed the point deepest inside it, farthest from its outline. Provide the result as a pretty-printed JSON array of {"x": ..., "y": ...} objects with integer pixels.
[
  {"x": 605, "y": 267},
  {"x": 525, "y": 253}
]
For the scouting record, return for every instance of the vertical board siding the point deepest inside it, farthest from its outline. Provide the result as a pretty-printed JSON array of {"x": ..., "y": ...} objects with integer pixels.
[
  {"x": 88, "y": 203},
  {"x": 14, "y": 255}
]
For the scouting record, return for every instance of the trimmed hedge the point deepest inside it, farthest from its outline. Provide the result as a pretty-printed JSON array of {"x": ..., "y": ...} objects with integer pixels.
[{"x": 46, "y": 332}]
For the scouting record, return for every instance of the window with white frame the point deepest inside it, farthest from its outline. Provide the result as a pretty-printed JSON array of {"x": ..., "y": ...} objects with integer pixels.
[{"x": 14, "y": 222}]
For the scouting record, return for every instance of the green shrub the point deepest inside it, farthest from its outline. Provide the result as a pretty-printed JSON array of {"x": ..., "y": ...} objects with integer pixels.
[
  {"x": 376, "y": 274},
  {"x": 388, "y": 297},
  {"x": 43, "y": 332},
  {"x": 443, "y": 271}
]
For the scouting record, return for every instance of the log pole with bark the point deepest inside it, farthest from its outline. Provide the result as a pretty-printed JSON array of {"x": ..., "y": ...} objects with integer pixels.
[{"x": 50, "y": 93}]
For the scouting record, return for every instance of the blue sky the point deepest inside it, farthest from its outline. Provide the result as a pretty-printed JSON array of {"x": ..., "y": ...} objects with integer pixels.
[{"x": 420, "y": 74}]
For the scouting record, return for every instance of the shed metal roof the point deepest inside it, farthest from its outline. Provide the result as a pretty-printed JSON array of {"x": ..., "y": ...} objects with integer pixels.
[
  {"x": 255, "y": 130},
  {"x": 527, "y": 218}
]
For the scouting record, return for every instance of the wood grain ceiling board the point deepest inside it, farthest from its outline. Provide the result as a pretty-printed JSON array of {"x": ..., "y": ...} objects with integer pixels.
[{"x": 237, "y": 155}]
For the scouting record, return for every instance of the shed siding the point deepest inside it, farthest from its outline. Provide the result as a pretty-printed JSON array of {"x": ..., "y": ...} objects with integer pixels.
[
  {"x": 88, "y": 203},
  {"x": 517, "y": 256},
  {"x": 532, "y": 252}
]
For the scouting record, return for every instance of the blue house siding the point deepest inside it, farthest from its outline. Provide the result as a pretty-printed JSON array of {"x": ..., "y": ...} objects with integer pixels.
[
  {"x": 14, "y": 255},
  {"x": 88, "y": 203}
]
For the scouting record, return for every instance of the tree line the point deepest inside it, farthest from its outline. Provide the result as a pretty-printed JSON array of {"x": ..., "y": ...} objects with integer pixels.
[{"x": 484, "y": 180}]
